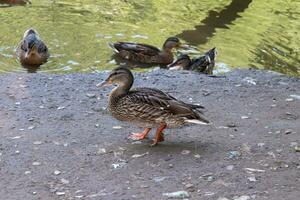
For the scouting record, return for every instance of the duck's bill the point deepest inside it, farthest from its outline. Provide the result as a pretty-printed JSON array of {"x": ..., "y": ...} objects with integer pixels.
[
  {"x": 104, "y": 83},
  {"x": 184, "y": 46}
]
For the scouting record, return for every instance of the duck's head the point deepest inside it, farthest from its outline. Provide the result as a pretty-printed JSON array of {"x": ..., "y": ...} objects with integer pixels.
[
  {"x": 30, "y": 42},
  {"x": 182, "y": 62},
  {"x": 173, "y": 42},
  {"x": 121, "y": 76}
]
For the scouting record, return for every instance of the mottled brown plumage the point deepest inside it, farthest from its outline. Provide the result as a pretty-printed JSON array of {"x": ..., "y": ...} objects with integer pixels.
[
  {"x": 144, "y": 53},
  {"x": 32, "y": 51},
  {"x": 148, "y": 107}
]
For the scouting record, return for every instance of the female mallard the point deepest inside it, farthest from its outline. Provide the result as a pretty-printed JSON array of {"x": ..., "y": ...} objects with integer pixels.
[
  {"x": 148, "y": 54},
  {"x": 203, "y": 64},
  {"x": 147, "y": 107},
  {"x": 32, "y": 51}
]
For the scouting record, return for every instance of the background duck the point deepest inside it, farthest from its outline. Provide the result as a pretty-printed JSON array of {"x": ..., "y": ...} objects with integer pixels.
[
  {"x": 32, "y": 51},
  {"x": 144, "y": 53},
  {"x": 147, "y": 107},
  {"x": 203, "y": 64}
]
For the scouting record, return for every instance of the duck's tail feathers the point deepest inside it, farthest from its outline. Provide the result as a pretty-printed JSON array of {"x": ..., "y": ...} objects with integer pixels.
[
  {"x": 197, "y": 121},
  {"x": 211, "y": 55},
  {"x": 112, "y": 46}
]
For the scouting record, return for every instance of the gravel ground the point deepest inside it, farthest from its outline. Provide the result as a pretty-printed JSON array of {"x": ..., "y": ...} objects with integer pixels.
[{"x": 59, "y": 142}]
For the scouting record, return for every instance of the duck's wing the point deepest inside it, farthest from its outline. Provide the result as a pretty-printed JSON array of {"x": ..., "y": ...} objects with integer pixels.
[
  {"x": 151, "y": 104},
  {"x": 162, "y": 95},
  {"x": 135, "y": 47}
]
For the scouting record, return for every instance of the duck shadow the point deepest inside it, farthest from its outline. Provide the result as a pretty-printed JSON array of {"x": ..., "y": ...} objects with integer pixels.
[{"x": 175, "y": 147}]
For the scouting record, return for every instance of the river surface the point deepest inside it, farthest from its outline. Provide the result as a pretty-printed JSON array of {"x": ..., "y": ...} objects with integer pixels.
[{"x": 247, "y": 33}]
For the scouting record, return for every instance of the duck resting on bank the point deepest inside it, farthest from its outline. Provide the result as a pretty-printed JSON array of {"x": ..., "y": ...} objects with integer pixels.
[
  {"x": 148, "y": 107},
  {"x": 203, "y": 64},
  {"x": 32, "y": 51},
  {"x": 144, "y": 53}
]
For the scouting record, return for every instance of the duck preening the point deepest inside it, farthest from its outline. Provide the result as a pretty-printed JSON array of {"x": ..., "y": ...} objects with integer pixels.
[
  {"x": 148, "y": 107},
  {"x": 144, "y": 53},
  {"x": 203, "y": 64},
  {"x": 32, "y": 51}
]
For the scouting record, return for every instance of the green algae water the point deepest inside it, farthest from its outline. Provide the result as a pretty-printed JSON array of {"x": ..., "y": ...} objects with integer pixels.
[{"x": 247, "y": 33}]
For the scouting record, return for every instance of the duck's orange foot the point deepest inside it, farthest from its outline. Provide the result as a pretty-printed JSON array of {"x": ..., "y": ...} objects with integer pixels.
[
  {"x": 140, "y": 136},
  {"x": 159, "y": 139}
]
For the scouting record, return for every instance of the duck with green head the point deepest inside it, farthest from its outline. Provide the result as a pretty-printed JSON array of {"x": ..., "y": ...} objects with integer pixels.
[
  {"x": 148, "y": 107},
  {"x": 148, "y": 54},
  {"x": 32, "y": 51}
]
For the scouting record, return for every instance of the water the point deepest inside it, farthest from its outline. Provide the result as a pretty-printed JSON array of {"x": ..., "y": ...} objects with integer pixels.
[{"x": 248, "y": 33}]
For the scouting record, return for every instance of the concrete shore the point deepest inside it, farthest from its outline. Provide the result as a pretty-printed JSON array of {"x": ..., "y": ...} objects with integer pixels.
[{"x": 59, "y": 142}]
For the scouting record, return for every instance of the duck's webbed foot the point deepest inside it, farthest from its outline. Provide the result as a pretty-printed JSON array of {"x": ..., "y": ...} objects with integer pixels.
[
  {"x": 140, "y": 136},
  {"x": 159, "y": 137}
]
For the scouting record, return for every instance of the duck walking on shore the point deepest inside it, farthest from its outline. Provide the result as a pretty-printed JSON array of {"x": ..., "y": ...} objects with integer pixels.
[
  {"x": 203, "y": 64},
  {"x": 32, "y": 51},
  {"x": 148, "y": 107},
  {"x": 144, "y": 53}
]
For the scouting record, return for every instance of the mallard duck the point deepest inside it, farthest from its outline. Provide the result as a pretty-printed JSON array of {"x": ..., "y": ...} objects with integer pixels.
[
  {"x": 148, "y": 107},
  {"x": 203, "y": 64},
  {"x": 32, "y": 51},
  {"x": 15, "y": 2},
  {"x": 144, "y": 53}
]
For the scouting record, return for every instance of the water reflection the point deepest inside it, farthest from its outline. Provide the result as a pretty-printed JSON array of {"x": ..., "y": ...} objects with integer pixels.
[
  {"x": 261, "y": 34},
  {"x": 215, "y": 19}
]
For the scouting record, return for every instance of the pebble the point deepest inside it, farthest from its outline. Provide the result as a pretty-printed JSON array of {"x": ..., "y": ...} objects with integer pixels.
[
  {"x": 101, "y": 151},
  {"x": 292, "y": 144},
  {"x": 222, "y": 198},
  {"x": 36, "y": 163},
  {"x": 295, "y": 96},
  {"x": 261, "y": 144},
  {"x": 252, "y": 179},
  {"x": 91, "y": 95},
  {"x": 233, "y": 154},
  {"x": 139, "y": 155},
  {"x": 244, "y": 117},
  {"x": 57, "y": 172},
  {"x": 31, "y": 127},
  {"x": 189, "y": 186},
  {"x": 117, "y": 127},
  {"x": 185, "y": 152},
  {"x": 288, "y": 131},
  {"x": 27, "y": 172},
  {"x": 254, "y": 170},
  {"x": 64, "y": 181},
  {"x": 177, "y": 195},
  {"x": 289, "y": 99},
  {"x": 230, "y": 167},
  {"x": 244, "y": 197},
  {"x": 37, "y": 142},
  {"x": 159, "y": 178},
  {"x": 16, "y": 137},
  {"x": 97, "y": 125},
  {"x": 297, "y": 149},
  {"x": 61, "y": 107},
  {"x": 60, "y": 193},
  {"x": 197, "y": 156},
  {"x": 121, "y": 164}
]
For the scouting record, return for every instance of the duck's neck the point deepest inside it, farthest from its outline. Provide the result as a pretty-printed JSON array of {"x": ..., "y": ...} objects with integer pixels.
[{"x": 120, "y": 91}]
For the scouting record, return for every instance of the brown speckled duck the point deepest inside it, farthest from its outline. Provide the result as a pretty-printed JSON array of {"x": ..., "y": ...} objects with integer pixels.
[
  {"x": 144, "y": 53},
  {"x": 203, "y": 64},
  {"x": 32, "y": 51},
  {"x": 147, "y": 107}
]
